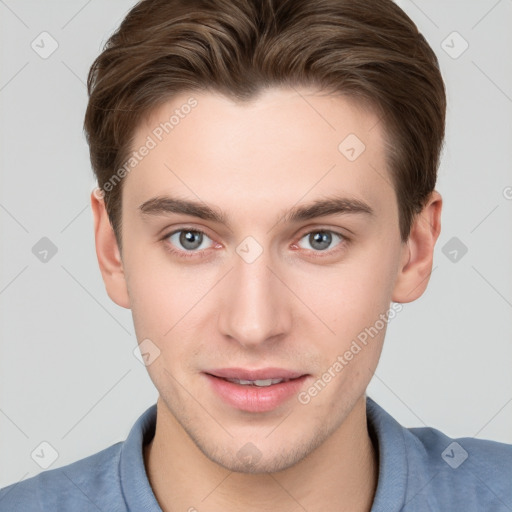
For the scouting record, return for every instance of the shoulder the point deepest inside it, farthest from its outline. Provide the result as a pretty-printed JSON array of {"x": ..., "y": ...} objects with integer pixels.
[
  {"x": 466, "y": 473},
  {"x": 423, "y": 469},
  {"x": 91, "y": 483}
]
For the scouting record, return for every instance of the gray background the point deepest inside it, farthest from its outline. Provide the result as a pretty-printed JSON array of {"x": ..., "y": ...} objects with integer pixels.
[{"x": 68, "y": 374}]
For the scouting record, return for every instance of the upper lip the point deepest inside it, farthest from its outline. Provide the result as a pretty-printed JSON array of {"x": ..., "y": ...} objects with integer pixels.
[{"x": 257, "y": 374}]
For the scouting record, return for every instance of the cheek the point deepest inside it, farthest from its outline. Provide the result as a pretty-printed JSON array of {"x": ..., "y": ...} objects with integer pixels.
[
  {"x": 158, "y": 295},
  {"x": 350, "y": 301},
  {"x": 168, "y": 303},
  {"x": 352, "y": 295}
]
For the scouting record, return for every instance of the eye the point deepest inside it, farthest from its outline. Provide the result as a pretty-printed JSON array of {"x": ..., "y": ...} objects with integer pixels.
[
  {"x": 189, "y": 240},
  {"x": 321, "y": 240}
]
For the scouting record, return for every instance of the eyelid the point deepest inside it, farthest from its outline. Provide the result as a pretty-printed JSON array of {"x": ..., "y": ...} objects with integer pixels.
[
  {"x": 315, "y": 229},
  {"x": 167, "y": 234}
]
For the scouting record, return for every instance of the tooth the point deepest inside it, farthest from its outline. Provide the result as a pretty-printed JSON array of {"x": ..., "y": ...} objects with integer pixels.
[
  {"x": 266, "y": 382},
  {"x": 260, "y": 382}
]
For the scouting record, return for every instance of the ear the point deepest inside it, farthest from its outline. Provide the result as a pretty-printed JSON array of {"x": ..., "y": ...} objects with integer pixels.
[
  {"x": 108, "y": 254},
  {"x": 418, "y": 252}
]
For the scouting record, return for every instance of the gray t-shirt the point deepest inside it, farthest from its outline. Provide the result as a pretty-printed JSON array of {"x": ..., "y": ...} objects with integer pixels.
[{"x": 420, "y": 469}]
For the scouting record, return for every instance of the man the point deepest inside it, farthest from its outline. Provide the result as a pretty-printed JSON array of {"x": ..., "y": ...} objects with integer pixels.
[{"x": 266, "y": 203}]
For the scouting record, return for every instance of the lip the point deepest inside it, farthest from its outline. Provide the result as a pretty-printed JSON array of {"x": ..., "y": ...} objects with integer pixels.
[
  {"x": 254, "y": 398},
  {"x": 260, "y": 374}
]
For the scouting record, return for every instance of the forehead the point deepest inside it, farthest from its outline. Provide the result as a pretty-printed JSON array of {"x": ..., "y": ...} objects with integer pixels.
[{"x": 283, "y": 145}]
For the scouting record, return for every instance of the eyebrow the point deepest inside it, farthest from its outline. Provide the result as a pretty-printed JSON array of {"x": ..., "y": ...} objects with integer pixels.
[{"x": 166, "y": 205}]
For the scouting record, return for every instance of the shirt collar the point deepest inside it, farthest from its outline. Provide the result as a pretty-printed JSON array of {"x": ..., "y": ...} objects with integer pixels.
[
  {"x": 137, "y": 491},
  {"x": 388, "y": 438}
]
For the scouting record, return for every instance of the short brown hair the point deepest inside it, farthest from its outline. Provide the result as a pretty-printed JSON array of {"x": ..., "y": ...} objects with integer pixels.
[{"x": 368, "y": 50}]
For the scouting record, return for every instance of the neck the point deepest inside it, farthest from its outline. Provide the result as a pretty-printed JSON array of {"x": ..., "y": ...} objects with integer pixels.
[{"x": 342, "y": 471}]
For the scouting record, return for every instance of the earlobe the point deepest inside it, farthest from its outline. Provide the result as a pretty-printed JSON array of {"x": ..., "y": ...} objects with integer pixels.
[
  {"x": 108, "y": 254},
  {"x": 418, "y": 252}
]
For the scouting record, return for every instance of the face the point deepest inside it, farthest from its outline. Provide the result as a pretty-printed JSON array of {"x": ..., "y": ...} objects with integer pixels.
[{"x": 258, "y": 249}]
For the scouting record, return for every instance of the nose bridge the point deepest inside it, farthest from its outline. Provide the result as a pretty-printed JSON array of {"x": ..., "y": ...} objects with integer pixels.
[{"x": 253, "y": 308}]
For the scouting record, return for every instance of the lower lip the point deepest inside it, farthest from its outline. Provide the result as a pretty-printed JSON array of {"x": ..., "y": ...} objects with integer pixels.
[{"x": 255, "y": 398}]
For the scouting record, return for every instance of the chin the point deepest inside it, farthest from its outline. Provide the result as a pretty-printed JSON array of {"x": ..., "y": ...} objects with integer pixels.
[{"x": 261, "y": 457}]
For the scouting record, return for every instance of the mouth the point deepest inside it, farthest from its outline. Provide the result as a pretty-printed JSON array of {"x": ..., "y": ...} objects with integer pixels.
[
  {"x": 244, "y": 374},
  {"x": 262, "y": 383},
  {"x": 255, "y": 390}
]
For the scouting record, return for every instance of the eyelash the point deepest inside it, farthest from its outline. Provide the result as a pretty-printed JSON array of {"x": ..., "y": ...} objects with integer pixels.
[{"x": 203, "y": 254}]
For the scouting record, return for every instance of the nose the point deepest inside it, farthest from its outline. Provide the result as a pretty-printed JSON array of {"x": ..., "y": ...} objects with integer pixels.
[{"x": 254, "y": 304}]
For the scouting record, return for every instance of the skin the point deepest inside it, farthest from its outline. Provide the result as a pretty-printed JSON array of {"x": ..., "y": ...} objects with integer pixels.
[{"x": 286, "y": 309}]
